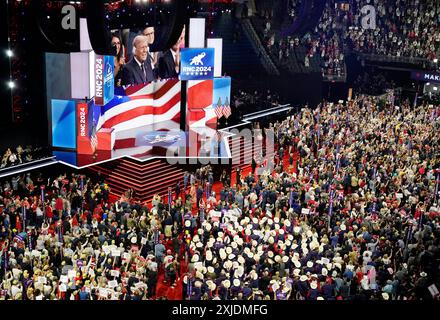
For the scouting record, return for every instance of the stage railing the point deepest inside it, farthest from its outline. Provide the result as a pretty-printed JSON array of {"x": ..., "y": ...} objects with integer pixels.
[{"x": 386, "y": 58}]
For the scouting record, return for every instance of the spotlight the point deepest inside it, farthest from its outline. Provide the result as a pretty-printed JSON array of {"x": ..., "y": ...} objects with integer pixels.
[
  {"x": 11, "y": 84},
  {"x": 435, "y": 88},
  {"x": 435, "y": 60},
  {"x": 9, "y": 53}
]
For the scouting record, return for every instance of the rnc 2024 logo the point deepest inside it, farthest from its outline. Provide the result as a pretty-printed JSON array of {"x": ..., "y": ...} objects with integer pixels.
[
  {"x": 198, "y": 59},
  {"x": 197, "y": 64}
]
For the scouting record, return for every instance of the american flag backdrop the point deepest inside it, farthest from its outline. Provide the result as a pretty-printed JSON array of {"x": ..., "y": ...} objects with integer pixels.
[
  {"x": 136, "y": 110},
  {"x": 141, "y": 105}
]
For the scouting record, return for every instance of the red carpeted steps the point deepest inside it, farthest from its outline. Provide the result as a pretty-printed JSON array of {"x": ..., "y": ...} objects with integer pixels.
[{"x": 145, "y": 179}]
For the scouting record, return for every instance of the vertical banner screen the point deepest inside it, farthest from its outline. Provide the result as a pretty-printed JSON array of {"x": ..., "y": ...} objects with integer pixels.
[{"x": 104, "y": 79}]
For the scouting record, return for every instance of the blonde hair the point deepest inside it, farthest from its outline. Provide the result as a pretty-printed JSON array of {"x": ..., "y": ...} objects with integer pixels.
[{"x": 138, "y": 39}]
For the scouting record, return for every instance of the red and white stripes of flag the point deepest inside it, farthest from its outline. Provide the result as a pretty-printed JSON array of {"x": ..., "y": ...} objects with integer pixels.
[
  {"x": 223, "y": 109},
  {"x": 218, "y": 111},
  {"x": 227, "y": 111}
]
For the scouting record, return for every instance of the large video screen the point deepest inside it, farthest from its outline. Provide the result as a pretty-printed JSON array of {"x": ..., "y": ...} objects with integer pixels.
[{"x": 137, "y": 60}]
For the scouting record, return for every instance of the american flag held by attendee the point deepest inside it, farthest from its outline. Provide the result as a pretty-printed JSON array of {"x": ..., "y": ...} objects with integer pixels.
[
  {"x": 92, "y": 263},
  {"x": 170, "y": 198}
]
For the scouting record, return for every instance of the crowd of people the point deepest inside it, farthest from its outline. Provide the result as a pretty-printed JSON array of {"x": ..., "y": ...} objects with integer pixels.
[
  {"x": 21, "y": 155},
  {"x": 321, "y": 49},
  {"x": 402, "y": 30},
  {"x": 353, "y": 216}
]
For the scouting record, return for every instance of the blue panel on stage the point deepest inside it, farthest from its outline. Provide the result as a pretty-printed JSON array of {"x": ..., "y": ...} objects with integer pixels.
[
  {"x": 63, "y": 124},
  {"x": 222, "y": 91},
  {"x": 66, "y": 156}
]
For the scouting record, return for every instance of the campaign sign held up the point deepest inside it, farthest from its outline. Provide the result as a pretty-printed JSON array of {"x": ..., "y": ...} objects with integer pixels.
[
  {"x": 104, "y": 79},
  {"x": 197, "y": 64}
]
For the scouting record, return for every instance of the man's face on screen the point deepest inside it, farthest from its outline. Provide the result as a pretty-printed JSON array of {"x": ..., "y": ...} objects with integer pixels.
[
  {"x": 149, "y": 32},
  {"x": 141, "y": 50}
]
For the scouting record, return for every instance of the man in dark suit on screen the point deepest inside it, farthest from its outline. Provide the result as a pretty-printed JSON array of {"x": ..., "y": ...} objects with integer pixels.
[
  {"x": 169, "y": 63},
  {"x": 139, "y": 69}
]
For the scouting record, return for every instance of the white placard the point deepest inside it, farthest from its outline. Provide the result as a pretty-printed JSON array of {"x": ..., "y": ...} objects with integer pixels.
[
  {"x": 399, "y": 195},
  {"x": 305, "y": 211},
  {"x": 116, "y": 253},
  {"x": 113, "y": 284},
  {"x": 126, "y": 256},
  {"x": 92, "y": 272},
  {"x": 217, "y": 214},
  {"x": 114, "y": 273},
  {"x": 143, "y": 240},
  {"x": 103, "y": 292},
  {"x": 64, "y": 279},
  {"x": 71, "y": 273},
  {"x": 433, "y": 290},
  {"x": 325, "y": 260},
  {"x": 42, "y": 280}
]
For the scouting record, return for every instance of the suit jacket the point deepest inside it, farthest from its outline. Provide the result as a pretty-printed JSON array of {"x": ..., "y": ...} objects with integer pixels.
[
  {"x": 132, "y": 73},
  {"x": 167, "y": 66}
]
